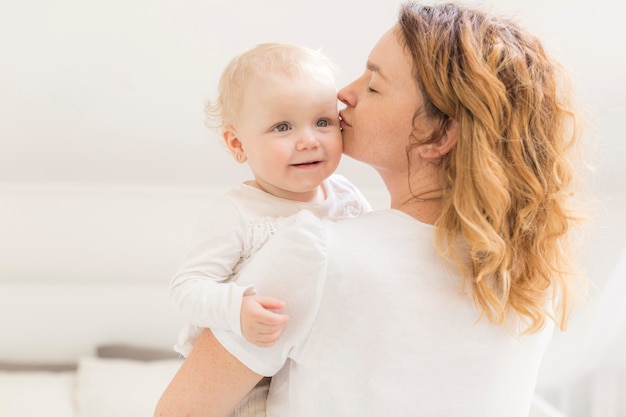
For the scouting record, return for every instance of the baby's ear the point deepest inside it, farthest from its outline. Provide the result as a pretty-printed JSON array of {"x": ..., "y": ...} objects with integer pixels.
[
  {"x": 444, "y": 144},
  {"x": 231, "y": 139}
]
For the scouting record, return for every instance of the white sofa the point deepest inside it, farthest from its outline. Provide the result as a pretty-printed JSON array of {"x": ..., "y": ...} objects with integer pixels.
[{"x": 86, "y": 324}]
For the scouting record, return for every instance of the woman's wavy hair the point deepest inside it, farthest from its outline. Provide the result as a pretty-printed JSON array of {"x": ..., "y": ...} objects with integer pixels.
[{"x": 508, "y": 179}]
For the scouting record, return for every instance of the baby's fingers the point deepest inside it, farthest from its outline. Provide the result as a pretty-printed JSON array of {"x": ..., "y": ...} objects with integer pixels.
[
  {"x": 268, "y": 318},
  {"x": 268, "y": 338},
  {"x": 270, "y": 303}
]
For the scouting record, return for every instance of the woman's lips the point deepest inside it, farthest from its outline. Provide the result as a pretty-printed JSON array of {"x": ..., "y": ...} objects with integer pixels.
[{"x": 343, "y": 123}]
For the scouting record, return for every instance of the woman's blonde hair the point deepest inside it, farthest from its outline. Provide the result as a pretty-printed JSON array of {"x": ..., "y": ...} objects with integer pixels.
[
  {"x": 255, "y": 63},
  {"x": 509, "y": 177}
]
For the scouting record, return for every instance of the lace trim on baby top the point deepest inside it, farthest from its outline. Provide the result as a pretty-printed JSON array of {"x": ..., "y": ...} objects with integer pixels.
[{"x": 259, "y": 231}]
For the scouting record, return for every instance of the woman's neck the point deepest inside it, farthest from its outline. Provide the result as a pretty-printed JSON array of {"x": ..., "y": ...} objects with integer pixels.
[
  {"x": 421, "y": 200},
  {"x": 425, "y": 211}
]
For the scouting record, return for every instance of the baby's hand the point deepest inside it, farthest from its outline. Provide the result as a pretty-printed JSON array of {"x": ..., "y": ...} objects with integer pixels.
[{"x": 259, "y": 324}]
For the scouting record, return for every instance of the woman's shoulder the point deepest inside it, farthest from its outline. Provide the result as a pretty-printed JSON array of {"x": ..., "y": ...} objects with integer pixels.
[
  {"x": 346, "y": 198},
  {"x": 386, "y": 218}
]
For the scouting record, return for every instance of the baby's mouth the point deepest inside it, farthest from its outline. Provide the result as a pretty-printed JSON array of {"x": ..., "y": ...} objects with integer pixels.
[{"x": 306, "y": 164}]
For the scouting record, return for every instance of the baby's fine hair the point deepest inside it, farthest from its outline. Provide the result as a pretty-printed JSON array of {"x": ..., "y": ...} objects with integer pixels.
[{"x": 251, "y": 64}]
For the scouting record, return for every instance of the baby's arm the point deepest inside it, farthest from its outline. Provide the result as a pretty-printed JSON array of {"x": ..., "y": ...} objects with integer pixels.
[
  {"x": 222, "y": 368},
  {"x": 204, "y": 292},
  {"x": 202, "y": 289}
]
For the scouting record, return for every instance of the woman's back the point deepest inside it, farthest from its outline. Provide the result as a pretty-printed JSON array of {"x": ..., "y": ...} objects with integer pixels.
[{"x": 409, "y": 337}]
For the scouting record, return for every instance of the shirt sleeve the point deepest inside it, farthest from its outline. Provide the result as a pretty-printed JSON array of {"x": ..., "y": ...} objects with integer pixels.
[
  {"x": 292, "y": 267},
  {"x": 202, "y": 290},
  {"x": 348, "y": 201}
]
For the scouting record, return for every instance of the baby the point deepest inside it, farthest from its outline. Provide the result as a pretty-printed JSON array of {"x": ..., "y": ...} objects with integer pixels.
[{"x": 277, "y": 112}]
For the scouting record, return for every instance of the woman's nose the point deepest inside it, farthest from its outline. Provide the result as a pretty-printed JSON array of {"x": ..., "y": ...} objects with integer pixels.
[{"x": 347, "y": 96}]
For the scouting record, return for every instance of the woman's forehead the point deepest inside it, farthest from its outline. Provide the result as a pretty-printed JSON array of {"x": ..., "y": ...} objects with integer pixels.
[{"x": 389, "y": 59}]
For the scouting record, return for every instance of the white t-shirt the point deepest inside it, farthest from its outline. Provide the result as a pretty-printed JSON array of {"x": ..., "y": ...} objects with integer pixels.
[
  {"x": 204, "y": 289},
  {"x": 380, "y": 326}
]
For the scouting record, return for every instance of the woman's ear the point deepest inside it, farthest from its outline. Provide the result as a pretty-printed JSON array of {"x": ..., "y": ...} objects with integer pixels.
[
  {"x": 229, "y": 134},
  {"x": 444, "y": 144}
]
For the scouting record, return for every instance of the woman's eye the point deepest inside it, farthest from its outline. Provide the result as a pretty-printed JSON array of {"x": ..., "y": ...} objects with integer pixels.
[
  {"x": 371, "y": 90},
  {"x": 281, "y": 127},
  {"x": 322, "y": 123}
]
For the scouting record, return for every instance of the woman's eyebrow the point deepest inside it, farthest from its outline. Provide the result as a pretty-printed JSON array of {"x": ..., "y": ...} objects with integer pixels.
[{"x": 375, "y": 68}]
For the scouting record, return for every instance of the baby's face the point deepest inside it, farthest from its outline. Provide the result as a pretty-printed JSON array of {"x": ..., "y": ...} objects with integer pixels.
[{"x": 289, "y": 132}]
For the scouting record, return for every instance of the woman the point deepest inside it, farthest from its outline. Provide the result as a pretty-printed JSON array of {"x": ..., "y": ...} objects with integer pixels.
[{"x": 442, "y": 305}]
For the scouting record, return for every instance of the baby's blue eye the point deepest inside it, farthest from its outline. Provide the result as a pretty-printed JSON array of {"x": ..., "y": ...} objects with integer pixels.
[
  {"x": 322, "y": 123},
  {"x": 281, "y": 127}
]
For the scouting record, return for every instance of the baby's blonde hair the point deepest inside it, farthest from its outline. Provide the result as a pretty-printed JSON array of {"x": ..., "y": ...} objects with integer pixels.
[
  {"x": 509, "y": 177},
  {"x": 251, "y": 64}
]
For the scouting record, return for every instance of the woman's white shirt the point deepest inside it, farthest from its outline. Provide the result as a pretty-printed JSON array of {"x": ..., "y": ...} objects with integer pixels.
[{"x": 380, "y": 325}]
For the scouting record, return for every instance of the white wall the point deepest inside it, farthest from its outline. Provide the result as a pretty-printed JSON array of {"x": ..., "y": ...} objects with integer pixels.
[{"x": 113, "y": 91}]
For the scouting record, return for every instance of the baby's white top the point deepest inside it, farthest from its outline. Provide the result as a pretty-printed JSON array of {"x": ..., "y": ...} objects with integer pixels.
[{"x": 205, "y": 289}]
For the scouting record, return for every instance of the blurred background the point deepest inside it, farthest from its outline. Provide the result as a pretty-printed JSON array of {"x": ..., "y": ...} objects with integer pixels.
[{"x": 101, "y": 99}]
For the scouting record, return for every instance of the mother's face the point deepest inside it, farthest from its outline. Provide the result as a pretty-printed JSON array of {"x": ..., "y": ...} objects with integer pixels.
[{"x": 381, "y": 105}]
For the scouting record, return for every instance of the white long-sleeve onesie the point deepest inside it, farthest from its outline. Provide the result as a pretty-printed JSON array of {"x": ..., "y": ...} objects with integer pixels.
[{"x": 204, "y": 289}]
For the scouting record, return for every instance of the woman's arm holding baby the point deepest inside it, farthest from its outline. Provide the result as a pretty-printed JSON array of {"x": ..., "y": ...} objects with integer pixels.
[{"x": 210, "y": 383}]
